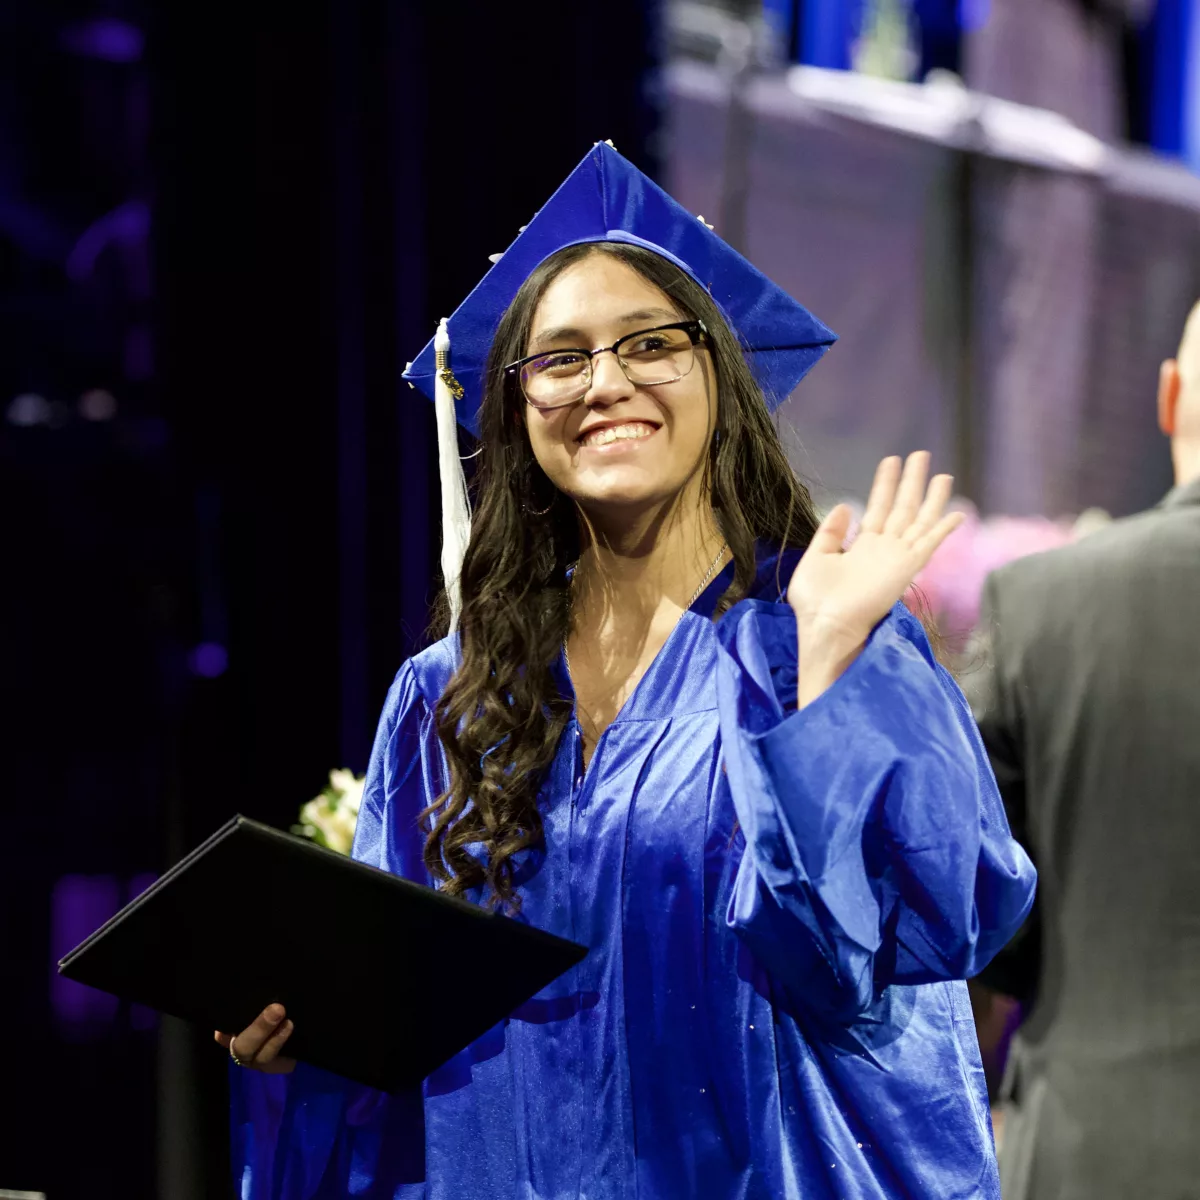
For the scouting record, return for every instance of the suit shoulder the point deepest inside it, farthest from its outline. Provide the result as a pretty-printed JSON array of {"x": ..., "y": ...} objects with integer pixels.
[{"x": 1118, "y": 548}]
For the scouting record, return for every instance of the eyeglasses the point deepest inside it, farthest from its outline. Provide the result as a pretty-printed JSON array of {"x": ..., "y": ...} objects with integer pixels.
[{"x": 556, "y": 378}]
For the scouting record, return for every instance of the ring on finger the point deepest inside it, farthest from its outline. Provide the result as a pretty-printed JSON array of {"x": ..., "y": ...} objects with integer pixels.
[{"x": 237, "y": 1062}]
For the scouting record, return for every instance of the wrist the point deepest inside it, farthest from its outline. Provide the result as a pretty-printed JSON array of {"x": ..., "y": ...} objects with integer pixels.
[
  {"x": 827, "y": 638},
  {"x": 826, "y": 648}
]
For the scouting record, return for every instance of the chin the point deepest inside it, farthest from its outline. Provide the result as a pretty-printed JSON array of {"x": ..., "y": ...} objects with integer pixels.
[{"x": 628, "y": 498}]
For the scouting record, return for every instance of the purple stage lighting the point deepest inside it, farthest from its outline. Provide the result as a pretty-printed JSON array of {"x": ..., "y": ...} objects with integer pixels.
[
  {"x": 209, "y": 660},
  {"x": 105, "y": 38}
]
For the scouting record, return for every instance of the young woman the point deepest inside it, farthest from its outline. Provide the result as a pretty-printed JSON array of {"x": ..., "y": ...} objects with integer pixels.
[{"x": 680, "y": 726}]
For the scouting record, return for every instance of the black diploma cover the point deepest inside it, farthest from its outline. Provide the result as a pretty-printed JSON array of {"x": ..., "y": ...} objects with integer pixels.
[{"x": 384, "y": 979}]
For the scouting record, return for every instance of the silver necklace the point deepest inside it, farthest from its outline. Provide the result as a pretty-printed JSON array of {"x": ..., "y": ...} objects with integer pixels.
[
  {"x": 695, "y": 596},
  {"x": 707, "y": 576}
]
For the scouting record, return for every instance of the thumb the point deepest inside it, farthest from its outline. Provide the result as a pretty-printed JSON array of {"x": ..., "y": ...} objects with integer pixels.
[{"x": 831, "y": 533}]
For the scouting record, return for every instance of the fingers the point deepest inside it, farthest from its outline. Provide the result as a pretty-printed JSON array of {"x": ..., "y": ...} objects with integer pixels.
[
  {"x": 930, "y": 512},
  {"x": 909, "y": 494},
  {"x": 259, "y": 1044},
  {"x": 264, "y": 1036},
  {"x": 899, "y": 504},
  {"x": 925, "y": 545},
  {"x": 256, "y": 1035},
  {"x": 883, "y": 492},
  {"x": 831, "y": 533},
  {"x": 272, "y": 1046}
]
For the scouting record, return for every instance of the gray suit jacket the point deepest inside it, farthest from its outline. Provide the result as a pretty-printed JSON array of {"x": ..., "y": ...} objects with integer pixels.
[{"x": 1090, "y": 709}]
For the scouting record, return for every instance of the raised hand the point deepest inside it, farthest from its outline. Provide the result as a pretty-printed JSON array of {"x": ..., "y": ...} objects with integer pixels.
[
  {"x": 838, "y": 598},
  {"x": 257, "y": 1047}
]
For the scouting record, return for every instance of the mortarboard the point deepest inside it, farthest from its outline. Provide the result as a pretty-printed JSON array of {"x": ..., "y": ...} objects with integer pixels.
[
  {"x": 604, "y": 199},
  {"x": 607, "y": 199}
]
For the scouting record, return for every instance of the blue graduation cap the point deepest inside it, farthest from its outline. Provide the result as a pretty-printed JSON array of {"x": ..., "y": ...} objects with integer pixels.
[{"x": 607, "y": 199}]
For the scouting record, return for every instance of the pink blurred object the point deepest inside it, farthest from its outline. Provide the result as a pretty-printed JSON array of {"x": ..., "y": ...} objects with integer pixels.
[
  {"x": 952, "y": 582},
  {"x": 951, "y": 586}
]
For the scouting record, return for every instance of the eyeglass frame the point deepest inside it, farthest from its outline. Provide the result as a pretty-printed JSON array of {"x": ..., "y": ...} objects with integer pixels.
[{"x": 696, "y": 331}]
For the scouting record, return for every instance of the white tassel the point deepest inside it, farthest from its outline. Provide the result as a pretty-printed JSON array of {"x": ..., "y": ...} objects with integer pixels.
[{"x": 456, "y": 506}]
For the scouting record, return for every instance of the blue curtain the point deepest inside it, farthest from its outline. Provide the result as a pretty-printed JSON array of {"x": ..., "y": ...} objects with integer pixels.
[
  {"x": 826, "y": 30},
  {"x": 1191, "y": 93},
  {"x": 821, "y": 32},
  {"x": 1171, "y": 56}
]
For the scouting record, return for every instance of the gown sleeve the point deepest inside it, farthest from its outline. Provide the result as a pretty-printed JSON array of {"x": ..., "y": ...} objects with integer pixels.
[
  {"x": 311, "y": 1135},
  {"x": 877, "y": 849}
]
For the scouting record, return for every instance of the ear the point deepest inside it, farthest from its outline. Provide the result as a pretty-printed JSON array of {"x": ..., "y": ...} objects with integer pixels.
[{"x": 1169, "y": 385}]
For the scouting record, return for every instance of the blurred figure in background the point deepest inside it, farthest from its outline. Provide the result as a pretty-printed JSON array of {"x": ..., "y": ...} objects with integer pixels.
[
  {"x": 1090, "y": 709},
  {"x": 1061, "y": 55}
]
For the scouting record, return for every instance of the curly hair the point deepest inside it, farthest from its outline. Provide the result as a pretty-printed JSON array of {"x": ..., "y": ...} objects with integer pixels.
[{"x": 502, "y": 715}]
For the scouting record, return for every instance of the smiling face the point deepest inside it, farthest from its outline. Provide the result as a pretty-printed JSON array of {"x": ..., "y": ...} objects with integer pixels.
[{"x": 623, "y": 449}]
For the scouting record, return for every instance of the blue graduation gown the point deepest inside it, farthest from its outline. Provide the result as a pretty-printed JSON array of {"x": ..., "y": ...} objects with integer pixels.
[{"x": 781, "y": 908}]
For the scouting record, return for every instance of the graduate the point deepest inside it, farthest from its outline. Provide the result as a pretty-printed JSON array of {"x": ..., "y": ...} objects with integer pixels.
[{"x": 674, "y": 722}]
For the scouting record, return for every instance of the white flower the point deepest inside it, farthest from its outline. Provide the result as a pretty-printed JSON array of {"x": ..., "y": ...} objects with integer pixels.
[
  {"x": 331, "y": 818},
  {"x": 341, "y": 780},
  {"x": 349, "y": 788}
]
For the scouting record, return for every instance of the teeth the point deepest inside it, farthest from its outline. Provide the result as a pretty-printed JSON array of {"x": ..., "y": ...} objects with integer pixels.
[{"x": 615, "y": 433}]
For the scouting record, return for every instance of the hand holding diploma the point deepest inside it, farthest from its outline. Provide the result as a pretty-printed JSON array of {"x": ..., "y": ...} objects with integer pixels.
[{"x": 257, "y": 1047}]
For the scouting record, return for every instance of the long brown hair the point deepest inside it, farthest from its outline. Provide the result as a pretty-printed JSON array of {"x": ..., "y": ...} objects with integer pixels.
[{"x": 501, "y": 716}]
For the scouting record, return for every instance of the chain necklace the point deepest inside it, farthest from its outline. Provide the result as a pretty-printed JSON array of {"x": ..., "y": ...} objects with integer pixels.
[
  {"x": 707, "y": 576},
  {"x": 695, "y": 596}
]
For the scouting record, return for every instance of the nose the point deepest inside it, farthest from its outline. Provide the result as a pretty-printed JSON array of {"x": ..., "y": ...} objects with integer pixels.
[{"x": 609, "y": 382}]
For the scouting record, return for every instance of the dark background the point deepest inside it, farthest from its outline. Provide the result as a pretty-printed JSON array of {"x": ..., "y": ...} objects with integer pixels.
[
  {"x": 224, "y": 229},
  {"x": 239, "y": 223}
]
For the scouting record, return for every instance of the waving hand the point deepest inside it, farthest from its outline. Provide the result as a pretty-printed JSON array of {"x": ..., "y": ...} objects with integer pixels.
[{"x": 839, "y": 597}]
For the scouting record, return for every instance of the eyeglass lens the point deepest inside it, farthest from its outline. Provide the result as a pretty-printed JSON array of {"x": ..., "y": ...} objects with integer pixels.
[{"x": 649, "y": 357}]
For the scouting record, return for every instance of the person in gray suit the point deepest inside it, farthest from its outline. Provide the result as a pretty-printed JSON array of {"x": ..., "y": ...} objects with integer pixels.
[{"x": 1090, "y": 709}]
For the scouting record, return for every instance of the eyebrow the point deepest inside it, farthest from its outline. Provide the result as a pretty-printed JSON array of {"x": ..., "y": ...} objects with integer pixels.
[{"x": 562, "y": 332}]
